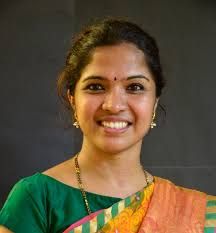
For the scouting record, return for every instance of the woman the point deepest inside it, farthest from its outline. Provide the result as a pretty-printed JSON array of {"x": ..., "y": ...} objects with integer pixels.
[{"x": 112, "y": 81}]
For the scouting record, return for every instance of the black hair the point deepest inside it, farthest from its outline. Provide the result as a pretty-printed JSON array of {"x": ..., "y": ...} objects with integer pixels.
[{"x": 110, "y": 31}]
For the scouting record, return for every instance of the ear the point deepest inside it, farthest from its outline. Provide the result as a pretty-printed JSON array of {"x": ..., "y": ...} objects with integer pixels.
[
  {"x": 71, "y": 99},
  {"x": 156, "y": 104}
]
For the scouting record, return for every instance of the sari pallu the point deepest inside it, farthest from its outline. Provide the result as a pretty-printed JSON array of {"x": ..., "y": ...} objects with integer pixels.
[{"x": 161, "y": 207}]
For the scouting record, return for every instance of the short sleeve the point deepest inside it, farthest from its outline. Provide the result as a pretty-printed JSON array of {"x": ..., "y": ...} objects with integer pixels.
[{"x": 24, "y": 209}]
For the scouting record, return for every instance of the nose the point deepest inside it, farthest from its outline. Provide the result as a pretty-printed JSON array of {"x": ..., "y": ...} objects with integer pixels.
[{"x": 115, "y": 101}]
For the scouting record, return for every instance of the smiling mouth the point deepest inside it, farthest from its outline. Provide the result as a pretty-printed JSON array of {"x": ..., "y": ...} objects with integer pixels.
[{"x": 114, "y": 125}]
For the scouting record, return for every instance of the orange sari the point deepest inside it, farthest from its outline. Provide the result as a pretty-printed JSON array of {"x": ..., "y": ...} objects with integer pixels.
[{"x": 161, "y": 207}]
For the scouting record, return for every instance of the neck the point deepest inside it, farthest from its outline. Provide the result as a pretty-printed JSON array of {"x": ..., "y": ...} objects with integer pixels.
[{"x": 120, "y": 169}]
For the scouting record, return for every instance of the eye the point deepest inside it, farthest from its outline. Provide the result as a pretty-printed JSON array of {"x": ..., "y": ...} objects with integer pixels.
[
  {"x": 135, "y": 87},
  {"x": 94, "y": 87}
]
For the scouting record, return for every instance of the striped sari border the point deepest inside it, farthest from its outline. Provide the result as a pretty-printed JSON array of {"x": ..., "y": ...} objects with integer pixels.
[
  {"x": 100, "y": 220},
  {"x": 210, "y": 217},
  {"x": 96, "y": 223}
]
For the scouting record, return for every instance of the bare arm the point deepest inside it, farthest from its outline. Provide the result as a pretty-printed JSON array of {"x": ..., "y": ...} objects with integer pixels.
[{"x": 4, "y": 230}]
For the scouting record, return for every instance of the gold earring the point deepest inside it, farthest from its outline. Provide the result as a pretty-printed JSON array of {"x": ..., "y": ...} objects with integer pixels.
[
  {"x": 153, "y": 124},
  {"x": 76, "y": 123}
]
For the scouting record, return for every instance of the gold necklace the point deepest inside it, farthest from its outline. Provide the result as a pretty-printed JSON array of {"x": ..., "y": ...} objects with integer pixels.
[
  {"x": 79, "y": 180},
  {"x": 78, "y": 175}
]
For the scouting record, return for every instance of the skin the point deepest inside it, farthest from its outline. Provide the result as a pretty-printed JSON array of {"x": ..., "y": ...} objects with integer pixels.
[
  {"x": 4, "y": 230},
  {"x": 114, "y": 98},
  {"x": 104, "y": 91},
  {"x": 110, "y": 161}
]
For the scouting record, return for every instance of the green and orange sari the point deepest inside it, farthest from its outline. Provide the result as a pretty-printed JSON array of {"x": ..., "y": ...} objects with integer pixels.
[{"x": 161, "y": 207}]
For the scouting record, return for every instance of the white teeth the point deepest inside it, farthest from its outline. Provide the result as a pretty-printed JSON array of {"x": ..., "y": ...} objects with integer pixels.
[{"x": 114, "y": 125}]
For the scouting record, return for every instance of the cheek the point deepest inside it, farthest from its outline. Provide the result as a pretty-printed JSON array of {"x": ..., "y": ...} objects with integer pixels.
[
  {"x": 144, "y": 110},
  {"x": 86, "y": 109}
]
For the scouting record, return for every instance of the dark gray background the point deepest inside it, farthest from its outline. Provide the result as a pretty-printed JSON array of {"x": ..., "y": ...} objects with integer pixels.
[{"x": 34, "y": 39}]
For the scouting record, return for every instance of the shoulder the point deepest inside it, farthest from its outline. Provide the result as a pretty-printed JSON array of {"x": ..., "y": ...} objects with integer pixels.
[
  {"x": 202, "y": 202},
  {"x": 33, "y": 192},
  {"x": 26, "y": 199},
  {"x": 35, "y": 202},
  {"x": 187, "y": 196},
  {"x": 167, "y": 183},
  {"x": 64, "y": 173},
  {"x": 28, "y": 190},
  {"x": 28, "y": 186}
]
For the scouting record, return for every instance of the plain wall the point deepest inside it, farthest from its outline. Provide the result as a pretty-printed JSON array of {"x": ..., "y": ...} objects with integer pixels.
[{"x": 35, "y": 36}]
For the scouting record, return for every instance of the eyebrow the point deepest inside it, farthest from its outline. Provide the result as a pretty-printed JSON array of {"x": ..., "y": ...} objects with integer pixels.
[{"x": 96, "y": 77}]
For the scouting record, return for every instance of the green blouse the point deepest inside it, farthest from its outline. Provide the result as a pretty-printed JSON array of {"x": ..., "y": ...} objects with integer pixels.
[{"x": 40, "y": 203}]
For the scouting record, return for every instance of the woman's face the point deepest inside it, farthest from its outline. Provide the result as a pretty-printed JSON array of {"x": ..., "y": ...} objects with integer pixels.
[{"x": 115, "y": 98}]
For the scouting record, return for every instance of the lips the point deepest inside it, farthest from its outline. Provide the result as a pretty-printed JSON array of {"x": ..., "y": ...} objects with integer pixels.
[{"x": 115, "y": 125}]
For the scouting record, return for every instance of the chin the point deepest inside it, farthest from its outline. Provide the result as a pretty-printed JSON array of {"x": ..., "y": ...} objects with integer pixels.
[{"x": 114, "y": 148}]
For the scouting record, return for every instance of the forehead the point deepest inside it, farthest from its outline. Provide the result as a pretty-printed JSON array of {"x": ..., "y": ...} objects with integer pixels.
[
  {"x": 124, "y": 59},
  {"x": 123, "y": 49}
]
